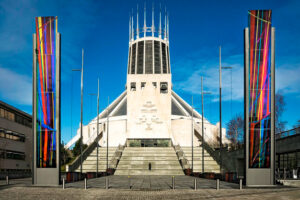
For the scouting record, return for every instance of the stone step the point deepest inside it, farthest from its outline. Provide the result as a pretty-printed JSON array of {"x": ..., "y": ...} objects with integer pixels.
[
  {"x": 158, "y": 151},
  {"x": 207, "y": 170},
  {"x": 93, "y": 162},
  {"x": 148, "y": 154},
  {"x": 145, "y": 166},
  {"x": 146, "y": 162},
  {"x": 199, "y": 158},
  {"x": 90, "y": 170},
  {"x": 89, "y": 167},
  {"x": 102, "y": 154},
  {"x": 135, "y": 161},
  {"x": 148, "y": 172},
  {"x": 147, "y": 148},
  {"x": 150, "y": 158},
  {"x": 206, "y": 161},
  {"x": 99, "y": 158},
  {"x": 151, "y": 155}
]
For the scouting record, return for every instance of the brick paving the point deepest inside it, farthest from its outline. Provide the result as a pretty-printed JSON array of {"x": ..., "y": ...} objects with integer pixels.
[
  {"x": 144, "y": 188},
  {"x": 152, "y": 183},
  {"x": 37, "y": 193}
]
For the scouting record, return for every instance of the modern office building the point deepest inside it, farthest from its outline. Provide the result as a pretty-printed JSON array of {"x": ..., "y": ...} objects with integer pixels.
[{"x": 15, "y": 140}]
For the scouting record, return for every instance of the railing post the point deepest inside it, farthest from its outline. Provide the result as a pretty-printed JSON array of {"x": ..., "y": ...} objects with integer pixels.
[
  {"x": 218, "y": 184},
  {"x": 173, "y": 182},
  {"x": 85, "y": 183},
  {"x": 241, "y": 184},
  {"x": 7, "y": 180},
  {"x": 195, "y": 184},
  {"x": 129, "y": 182},
  {"x": 63, "y": 183},
  {"x": 106, "y": 183}
]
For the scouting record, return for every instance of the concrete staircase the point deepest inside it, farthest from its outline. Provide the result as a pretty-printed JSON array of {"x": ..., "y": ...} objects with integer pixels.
[
  {"x": 135, "y": 161},
  {"x": 210, "y": 165},
  {"x": 89, "y": 164}
]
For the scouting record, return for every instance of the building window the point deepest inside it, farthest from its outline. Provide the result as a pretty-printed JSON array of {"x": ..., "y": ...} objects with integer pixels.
[
  {"x": 164, "y": 87},
  {"x": 164, "y": 61},
  {"x": 133, "y": 59},
  {"x": 9, "y": 154},
  {"x": 157, "y": 57},
  {"x": 129, "y": 59},
  {"x": 143, "y": 84},
  {"x": 149, "y": 59},
  {"x": 15, "y": 117},
  {"x": 154, "y": 84},
  {"x": 133, "y": 86},
  {"x": 11, "y": 135},
  {"x": 2, "y": 112},
  {"x": 140, "y": 58}
]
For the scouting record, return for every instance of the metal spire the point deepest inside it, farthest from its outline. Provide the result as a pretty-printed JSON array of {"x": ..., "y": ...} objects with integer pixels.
[
  {"x": 132, "y": 29},
  {"x": 137, "y": 23},
  {"x": 168, "y": 26},
  {"x": 145, "y": 25},
  {"x": 152, "y": 20},
  {"x": 165, "y": 31},
  {"x": 129, "y": 28},
  {"x": 159, "y": 30}
]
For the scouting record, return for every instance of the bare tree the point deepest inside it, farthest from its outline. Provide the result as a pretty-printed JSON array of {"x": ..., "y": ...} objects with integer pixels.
[
  {"x": 235, "y": 129},
  {"x": 279, "y": 109}
]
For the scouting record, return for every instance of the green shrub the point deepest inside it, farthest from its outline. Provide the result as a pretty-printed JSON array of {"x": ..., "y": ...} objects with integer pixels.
[{"x": 135, "y": 143}]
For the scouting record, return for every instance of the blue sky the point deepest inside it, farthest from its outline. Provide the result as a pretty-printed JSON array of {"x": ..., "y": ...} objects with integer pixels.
[{"x": 197, "y": 29}]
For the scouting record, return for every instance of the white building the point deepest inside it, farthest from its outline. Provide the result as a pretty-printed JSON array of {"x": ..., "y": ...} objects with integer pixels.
[{"x": 149, "y": 111}]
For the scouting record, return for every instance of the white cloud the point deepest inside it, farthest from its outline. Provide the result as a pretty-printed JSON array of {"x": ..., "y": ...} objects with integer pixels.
[
  {"x": 210, "y": 73},
  {"x": 288, "y": 79},
  {"x": 188, "y": 72},
  {"x": 15, "y": 87}
]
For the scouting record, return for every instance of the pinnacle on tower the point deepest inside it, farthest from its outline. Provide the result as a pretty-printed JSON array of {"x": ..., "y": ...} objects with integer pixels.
[
  {"x": 137, "y": 23},
  {"x": 145, "y": 24},
  {"x": 152, "y": 27}
]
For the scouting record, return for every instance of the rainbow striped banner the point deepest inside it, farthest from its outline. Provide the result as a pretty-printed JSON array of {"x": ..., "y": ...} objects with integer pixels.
[
  {"x": 259, "y": 88},
  {"x": 46, "y": 29}
]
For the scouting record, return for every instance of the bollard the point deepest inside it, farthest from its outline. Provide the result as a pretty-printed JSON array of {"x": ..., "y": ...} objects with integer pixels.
[
  {"x": 195, "y": 184},
  {"x": 218, "y": 184},
  {"x": 63, "y": 183},
  {"x": 7, "y": 181},
  {"x": 284, "y": 173},
  {"x": 85, "y": 183},
  {"x": 106, "y": 183},
  {"x": 241, "y": 184},
  {"x": 173, "y": 182},
  {"x": 129, "y": 182}
]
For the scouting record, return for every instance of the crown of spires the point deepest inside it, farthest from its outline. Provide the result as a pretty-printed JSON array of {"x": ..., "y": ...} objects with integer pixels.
[{"x": 135, "y": 33}]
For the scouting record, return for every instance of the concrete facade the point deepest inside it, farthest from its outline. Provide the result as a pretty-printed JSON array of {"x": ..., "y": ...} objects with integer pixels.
[{"x": 15, "y": 139}]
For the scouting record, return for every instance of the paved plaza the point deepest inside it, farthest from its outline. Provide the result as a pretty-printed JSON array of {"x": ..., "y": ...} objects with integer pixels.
[
  {"x": 152, "y": 183},
  {"x": 143, "y": 187}
]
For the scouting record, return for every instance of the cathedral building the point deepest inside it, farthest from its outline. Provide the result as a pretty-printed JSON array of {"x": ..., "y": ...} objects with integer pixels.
[{"x": 149, "y": 113}]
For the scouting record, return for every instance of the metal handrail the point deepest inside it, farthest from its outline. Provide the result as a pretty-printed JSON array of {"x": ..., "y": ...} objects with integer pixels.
[
  {"x": 288, "y": 133},
  {"x": 76, "y": 163},
  {"x": 210, "y": 150},
  {"x": 181, "y": 157},
  {"x": 116, "y": 157}
]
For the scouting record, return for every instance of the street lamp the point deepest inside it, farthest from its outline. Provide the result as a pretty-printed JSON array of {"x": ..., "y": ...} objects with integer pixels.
[
  {"x": 97, "y": 127},
  {"x": 202, "y": 99},
  {"x": 192, "y": 125},
  {"x": 220, "y": 92},
  {"x": 81, "y": 110}
]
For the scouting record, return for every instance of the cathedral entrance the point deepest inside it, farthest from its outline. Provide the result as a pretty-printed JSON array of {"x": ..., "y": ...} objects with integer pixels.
[{"x": 148, "y": 142}]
